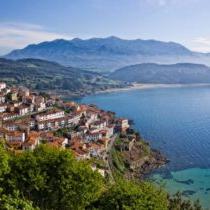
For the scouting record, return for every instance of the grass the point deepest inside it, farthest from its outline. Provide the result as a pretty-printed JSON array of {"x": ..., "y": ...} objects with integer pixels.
[{"x": 118, "y": 161}]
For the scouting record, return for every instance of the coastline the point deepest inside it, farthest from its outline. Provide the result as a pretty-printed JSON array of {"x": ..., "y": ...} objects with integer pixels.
[
  {"x": 68, "y": 95},
  {"x": 142, "y": 86}
]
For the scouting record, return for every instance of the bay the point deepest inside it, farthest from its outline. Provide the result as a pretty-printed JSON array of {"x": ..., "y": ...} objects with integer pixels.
[{"x": 177, "y": 122}]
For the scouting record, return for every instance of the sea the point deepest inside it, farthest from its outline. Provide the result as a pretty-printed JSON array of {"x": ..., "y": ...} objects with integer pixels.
[{"x": 175, "y": 121}]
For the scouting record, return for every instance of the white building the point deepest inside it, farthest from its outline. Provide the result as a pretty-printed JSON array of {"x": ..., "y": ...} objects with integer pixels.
[
  {"x": 93, "y": 136},
  {"x": 50, "y": 115},
  {"x": 15, "y": 136},
  {"x": 2, "y": 85},
  {"x": 23, "y": 110},
  {"x": 3, "y": 108},
  {"x": 2, "y": 99}
]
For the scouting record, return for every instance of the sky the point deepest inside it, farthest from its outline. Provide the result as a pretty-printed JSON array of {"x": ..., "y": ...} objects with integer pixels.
[{"x": 24, "y": 22}]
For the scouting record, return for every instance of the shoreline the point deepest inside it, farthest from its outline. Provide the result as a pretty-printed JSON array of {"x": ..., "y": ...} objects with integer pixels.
[
  {"x": 143, "y": 86},
  {"x": 68, "y": 95}
]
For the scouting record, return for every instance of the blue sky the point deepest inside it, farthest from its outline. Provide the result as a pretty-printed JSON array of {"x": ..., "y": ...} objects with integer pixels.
[{"x": 31, "y": 21}]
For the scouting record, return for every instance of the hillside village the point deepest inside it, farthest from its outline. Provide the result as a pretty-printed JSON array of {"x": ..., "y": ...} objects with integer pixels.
[{"x": 28, "y": 119}]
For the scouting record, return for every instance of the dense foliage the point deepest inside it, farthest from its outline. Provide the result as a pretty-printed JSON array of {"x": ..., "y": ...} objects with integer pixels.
[
  {"x": 130, "y": 195},
  {"x": 52, "y": 179}
]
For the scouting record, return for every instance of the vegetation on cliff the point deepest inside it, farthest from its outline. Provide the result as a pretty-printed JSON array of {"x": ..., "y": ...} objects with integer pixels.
[
  {"x": 49, "y": 178},
  {"x": 132, "y": 157}
]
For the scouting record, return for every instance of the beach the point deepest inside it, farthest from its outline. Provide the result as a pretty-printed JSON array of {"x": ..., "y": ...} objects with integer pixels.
[{"x": 139, "y": 86}]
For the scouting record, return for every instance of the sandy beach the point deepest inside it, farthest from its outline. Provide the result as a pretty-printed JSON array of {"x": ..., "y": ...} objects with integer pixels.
[{"x": 139, "y": 86}]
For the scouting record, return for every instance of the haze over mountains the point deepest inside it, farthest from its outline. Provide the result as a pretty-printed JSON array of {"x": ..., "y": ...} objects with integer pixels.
[
  {"x": 108, "y": 54},
  {"x": 182, "y": 73},
  {"x": 144, "y": 61}
]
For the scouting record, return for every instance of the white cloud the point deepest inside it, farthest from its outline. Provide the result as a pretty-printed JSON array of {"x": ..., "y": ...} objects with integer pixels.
[
  {"x": 200, "y": 44},
  {"x": 18, "y": 35}
]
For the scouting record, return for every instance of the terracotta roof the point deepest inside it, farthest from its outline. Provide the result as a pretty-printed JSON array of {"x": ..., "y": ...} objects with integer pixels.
[
  {"x": 14, "y": 144},
  {"x": 15, "y": 133}
]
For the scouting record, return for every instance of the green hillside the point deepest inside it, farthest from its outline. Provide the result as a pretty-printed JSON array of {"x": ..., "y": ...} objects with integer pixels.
[{"x": 49, "y": 76}]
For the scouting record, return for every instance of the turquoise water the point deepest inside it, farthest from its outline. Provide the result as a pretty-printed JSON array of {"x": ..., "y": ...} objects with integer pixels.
[
  {"x": 194, "y": 183},
  {"x": 177, "y": 122}
]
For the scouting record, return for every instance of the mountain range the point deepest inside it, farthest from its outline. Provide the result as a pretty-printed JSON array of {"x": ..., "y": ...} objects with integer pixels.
[
  {"x": 108, "y": 54},
  {"x": 181, "y": 73}
]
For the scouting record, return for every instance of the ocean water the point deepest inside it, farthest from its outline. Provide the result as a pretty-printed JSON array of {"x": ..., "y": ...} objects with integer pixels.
[{"x": 177, "y": 122}]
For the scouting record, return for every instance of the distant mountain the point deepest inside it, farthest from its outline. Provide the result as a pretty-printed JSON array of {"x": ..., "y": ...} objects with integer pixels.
[
  {"x": 181, "y": 73},
  {"x": 49, "y": 76},
  {"x": 107, "y": 54}
]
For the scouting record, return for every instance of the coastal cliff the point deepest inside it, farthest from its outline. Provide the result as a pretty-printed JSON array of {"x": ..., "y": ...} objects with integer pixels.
[{"x": 133, "y": 158}]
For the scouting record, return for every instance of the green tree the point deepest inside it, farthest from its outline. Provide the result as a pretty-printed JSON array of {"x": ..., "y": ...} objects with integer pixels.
[
  {"x": 8, "y": 202},
  {"x": 128, "y": 195},
  {"x": 53, "y": 179}
]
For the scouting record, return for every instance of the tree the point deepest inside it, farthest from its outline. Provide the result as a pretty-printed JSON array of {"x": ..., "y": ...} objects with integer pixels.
[
  {"x": 8, "y": 202},
  {"x": 53, "y": 179},
  {"x": 129, "y": 195}
]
